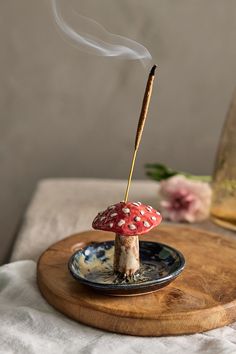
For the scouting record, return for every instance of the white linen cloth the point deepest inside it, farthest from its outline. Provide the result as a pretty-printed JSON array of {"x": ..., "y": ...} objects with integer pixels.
[{"x": 29, "y": 325}]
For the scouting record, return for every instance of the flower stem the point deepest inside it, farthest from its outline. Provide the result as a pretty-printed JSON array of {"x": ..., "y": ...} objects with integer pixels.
[{"x": 207, "y": 179}]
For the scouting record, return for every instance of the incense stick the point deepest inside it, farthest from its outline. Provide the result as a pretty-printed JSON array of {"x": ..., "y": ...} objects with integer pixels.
[{"x": 141, "y": 123}]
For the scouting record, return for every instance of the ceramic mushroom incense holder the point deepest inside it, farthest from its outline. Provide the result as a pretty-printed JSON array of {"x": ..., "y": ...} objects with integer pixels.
[
  {"x": 126, "y": 266},
  {"x": 127, "y": 221}
]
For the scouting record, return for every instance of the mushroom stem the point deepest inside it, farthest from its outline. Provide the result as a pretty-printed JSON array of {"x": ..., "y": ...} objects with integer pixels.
[{"x": 126, "y": 257}]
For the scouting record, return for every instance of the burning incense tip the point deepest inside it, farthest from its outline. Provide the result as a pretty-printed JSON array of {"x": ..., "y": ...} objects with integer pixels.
[{"x": 153, "y": 69}]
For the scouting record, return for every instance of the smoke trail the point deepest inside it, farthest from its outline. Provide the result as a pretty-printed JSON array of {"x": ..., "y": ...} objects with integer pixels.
[{"x": 91, "y": 37}]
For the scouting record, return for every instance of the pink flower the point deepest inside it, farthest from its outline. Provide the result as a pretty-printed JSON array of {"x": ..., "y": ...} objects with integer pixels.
[{"x": 182, "y": 199}]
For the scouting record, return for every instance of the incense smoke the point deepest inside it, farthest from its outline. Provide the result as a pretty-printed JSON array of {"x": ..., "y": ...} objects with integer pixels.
[{"x": 91, "y": 37}]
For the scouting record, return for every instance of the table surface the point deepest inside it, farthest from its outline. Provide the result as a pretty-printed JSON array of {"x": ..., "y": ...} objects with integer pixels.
[{"x": 61, "y": 207}]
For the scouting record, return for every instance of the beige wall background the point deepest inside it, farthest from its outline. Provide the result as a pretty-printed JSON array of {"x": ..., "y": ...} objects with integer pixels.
[{"x": 66, "y": 113}]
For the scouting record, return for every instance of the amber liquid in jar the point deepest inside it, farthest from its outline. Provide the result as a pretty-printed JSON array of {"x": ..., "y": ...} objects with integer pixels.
[{"x": 223, "y": 210}]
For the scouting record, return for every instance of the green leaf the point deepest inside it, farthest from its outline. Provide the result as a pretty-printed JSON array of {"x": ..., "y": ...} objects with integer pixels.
[{"x": 159, "y": 172}]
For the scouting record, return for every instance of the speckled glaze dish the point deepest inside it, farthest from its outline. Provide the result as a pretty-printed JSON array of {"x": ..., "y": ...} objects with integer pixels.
[{"x": 93, "y": 266}]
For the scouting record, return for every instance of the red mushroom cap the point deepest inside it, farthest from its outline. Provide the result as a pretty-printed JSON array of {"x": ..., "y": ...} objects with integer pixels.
[{"x": 128, "y": 219}]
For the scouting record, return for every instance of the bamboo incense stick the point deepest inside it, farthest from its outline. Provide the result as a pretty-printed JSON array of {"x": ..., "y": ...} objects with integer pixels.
[{"x": 141, "y": 123}]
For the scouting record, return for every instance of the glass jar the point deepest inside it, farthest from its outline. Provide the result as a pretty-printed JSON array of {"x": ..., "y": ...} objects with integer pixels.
[{"x": 223, "y": 209}]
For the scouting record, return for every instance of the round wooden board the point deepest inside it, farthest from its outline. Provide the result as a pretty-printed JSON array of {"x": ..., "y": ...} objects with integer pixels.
[{"x": 202, "y": 298}]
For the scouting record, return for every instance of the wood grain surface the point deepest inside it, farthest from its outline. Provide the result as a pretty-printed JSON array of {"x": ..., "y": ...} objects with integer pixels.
[{"x": 202, "y": 298}]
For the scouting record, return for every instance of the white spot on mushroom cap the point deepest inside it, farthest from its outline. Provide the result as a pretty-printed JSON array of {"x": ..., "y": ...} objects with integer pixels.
[
  {"x": 137, "y": 218},
  {"x": 148, "y": 208},
  {"x": 157, "y": 212},
  {"x": 126, "y": 210},
  {"x": 114, "y": 214},
  {"x": 87, "y": 252},
  {"x": 111, "y": 224},
  {"x": 136, "y": 204},
  {"x": 139, "y": 203},
  {"x": 146, "y": 224},
  {"x": 142, "y": 212},
  {"x": 132, "y": 227},
  {"x": 121, "y": 222},
  {"x": 153, "y": 218},
  {"x": 102, "y": 218},
  {"x": 112, "y": 207}
]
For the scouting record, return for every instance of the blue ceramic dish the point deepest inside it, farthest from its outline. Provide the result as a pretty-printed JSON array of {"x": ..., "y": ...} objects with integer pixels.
[{"x": 93, "y": 266}]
